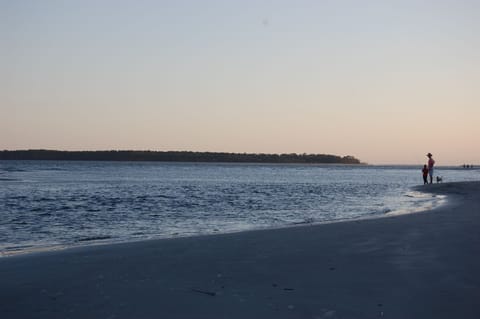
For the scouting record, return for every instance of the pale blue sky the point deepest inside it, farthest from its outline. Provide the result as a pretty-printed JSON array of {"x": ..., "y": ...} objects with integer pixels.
[{"x": 386, "y": 81}]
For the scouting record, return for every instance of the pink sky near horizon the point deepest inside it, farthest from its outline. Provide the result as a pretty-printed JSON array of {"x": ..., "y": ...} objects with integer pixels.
[{"x": 384, "y": 82}]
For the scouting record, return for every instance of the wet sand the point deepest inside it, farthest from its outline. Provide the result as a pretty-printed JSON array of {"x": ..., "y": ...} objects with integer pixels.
[{"x": 423, "y": 265}]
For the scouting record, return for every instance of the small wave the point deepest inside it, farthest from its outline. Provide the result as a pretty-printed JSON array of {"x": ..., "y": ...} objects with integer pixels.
[
  {"x": 53, "y": 169},
  {"x": 306, "y": 221},
  {"x": 46, "y": 214},
  {"x": 6, "y": 179},
  {"x": 419, "y": 195},
  {"x": 12, "y": 169},
  {"x": 19, "y": 247},
  {"x": 19, "y": 222},
  {"x": 165, "y": 196},
  {"x": 93, "y": 210},
  {"x": 385, "y": 211},
  {"x": 93, "y": 238},
  {"x": 138, "y": 234},
  {"x": 18, "y": 197}
]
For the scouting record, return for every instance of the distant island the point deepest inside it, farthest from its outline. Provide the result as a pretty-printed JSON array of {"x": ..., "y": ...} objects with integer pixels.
[{"x": 176, "y": 156}]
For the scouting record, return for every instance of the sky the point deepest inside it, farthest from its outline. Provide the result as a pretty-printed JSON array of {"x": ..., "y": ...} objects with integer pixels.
[{"x": 384, "y": 81}]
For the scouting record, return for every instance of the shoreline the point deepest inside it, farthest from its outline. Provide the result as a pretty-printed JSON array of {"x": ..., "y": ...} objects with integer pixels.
[
  {"x": 422, "y": 265},
  {"x": 433, "y": 204}
]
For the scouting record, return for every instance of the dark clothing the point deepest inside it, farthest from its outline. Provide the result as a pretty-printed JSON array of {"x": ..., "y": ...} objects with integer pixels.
[{"x": 425, "y": 175}]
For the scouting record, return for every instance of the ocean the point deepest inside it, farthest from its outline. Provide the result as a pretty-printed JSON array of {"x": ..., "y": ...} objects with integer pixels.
[{"x": 48, "y": 205}]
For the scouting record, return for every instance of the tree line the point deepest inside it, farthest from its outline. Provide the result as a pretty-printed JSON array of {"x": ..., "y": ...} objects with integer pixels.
[{"x": 176, "y": 156}]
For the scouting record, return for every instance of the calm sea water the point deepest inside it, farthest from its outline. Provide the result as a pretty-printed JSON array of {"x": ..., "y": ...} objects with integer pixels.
[{"x": 48, "y": 204}]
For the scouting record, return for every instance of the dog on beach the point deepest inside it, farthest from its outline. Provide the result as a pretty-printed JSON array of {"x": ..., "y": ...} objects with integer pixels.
[{"x": 439, "y": 179}]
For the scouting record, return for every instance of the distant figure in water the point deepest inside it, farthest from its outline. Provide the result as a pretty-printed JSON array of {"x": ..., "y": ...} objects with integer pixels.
[
  {"x": 431, "y": 162},
  {"x": 425, "y": 174}
]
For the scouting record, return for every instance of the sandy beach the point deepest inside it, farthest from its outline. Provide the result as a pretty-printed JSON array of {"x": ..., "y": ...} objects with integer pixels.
[{"x": 422, "y": 265}]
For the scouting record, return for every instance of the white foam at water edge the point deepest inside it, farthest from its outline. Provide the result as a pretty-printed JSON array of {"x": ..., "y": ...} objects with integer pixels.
[{"x": 420, "y": 202}]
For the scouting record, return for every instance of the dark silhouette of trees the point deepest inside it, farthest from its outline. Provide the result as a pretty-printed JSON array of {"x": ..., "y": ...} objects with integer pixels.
[{"x": 176, "y": 156}]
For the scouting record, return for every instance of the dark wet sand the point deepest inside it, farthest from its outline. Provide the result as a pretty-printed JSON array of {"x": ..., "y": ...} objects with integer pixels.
[{"x": 424, "y": 265}]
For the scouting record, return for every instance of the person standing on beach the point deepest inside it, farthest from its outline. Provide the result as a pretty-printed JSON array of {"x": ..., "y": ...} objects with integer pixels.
[
  {"x": 425, "y": 174},
  {"x": 431, "y": 162}
]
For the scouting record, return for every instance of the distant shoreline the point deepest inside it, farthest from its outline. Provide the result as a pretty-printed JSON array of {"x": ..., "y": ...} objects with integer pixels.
[{"x": 178, "y": 156}]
